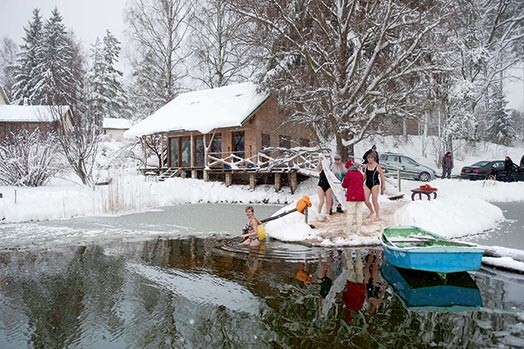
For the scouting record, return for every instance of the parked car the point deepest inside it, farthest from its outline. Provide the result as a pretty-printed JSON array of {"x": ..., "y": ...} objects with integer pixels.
[
  {"x": 493, "y": 169},
  {"x": 409, "y": 168}
]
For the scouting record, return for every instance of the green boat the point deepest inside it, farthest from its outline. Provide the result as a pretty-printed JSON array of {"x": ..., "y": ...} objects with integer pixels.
[{"x": 412, "y": 247}]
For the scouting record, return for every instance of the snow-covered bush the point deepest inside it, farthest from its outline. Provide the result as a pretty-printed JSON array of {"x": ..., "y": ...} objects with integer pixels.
[{"x": 28, "y": 158}]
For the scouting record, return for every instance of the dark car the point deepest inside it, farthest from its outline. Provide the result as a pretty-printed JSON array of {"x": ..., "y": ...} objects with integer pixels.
[{"x": 493, "y": 170}]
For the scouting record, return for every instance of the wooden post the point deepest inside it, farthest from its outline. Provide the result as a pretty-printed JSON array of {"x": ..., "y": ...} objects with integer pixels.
[
  {"x": 193, "y": 156},
  {"x": 161, "y": 151},
  {"x": 229, "y": 178},
  {"x": 144, "y": 150},
  {"x": 398, "y": 177},
  {"x": 305, "y": 214},
  {"x": 278, "y": 181},
  {"x": 206, "y": 175},
  {"x": 252, "y": 181},
  {"x": 293, "y": 182}
]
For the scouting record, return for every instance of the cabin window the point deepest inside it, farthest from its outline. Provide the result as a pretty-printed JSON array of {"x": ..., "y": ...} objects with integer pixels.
[
  {"x": 266, "y": 140},
  {"x": 199, "y": 150},
  {"x": 216, "y": 145},
  {"x": 237, "y": 140},
  {"x": 173, "y": 152},
  {"x": 185, "y": 151},
  {"x": 284, "y": 142},
  {"x": 304, "y": 142}
]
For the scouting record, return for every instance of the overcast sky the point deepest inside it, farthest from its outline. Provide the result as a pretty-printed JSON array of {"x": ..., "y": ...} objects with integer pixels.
[
  {"x": 87, "y": 18},
  {"x": 90, "y": 18}
]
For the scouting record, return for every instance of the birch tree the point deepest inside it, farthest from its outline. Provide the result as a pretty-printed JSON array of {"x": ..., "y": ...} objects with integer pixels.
[
  {"x": 156, "y": 31},
  {"x": 220, "y": 56},
  {"x": 8, "y": 52}
]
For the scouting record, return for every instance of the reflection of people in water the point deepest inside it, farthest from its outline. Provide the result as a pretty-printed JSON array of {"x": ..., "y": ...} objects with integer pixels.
[
  {"x": 303, "y": 274},
  {"x": 354, "y": 294},
  {"x": 375, "y": 287},
  {"x": 325, "y": 274},
  {"x": 253, "y": 262}
]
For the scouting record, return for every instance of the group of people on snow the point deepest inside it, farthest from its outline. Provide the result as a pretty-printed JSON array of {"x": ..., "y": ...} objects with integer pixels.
[{"x": 362, "y": 184}]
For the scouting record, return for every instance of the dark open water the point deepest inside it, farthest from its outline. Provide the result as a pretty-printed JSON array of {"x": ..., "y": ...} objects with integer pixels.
[
  {"x": 143, "y": 291},
  {"x": 207, "y": 293}
]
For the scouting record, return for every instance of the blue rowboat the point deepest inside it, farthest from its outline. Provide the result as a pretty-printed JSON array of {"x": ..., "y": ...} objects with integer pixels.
[
  {"x": 415, "y": 248},
  {"x": 427, "y": 291}
]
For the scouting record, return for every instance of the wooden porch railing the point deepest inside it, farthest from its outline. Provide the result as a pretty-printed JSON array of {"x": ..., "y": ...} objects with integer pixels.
[{"x": 268, "y": 160}]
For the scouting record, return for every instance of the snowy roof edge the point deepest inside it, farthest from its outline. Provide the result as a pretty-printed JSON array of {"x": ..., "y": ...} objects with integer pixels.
[{"x": 138, "y": 130}]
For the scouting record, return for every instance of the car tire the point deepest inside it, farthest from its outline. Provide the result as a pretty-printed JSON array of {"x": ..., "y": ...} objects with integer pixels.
[{"x": 424, "y": 177}]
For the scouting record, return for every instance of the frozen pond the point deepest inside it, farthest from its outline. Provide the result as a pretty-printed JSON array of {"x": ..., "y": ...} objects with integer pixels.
[
  {"x": 140, "y": 285},
  {"x": 511, "y": 232}
]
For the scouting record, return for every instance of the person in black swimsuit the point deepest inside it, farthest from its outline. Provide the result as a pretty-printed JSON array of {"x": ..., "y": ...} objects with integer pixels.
[
  {"x": 324, "y": 190},
  {"x": 374, "y": 179}
]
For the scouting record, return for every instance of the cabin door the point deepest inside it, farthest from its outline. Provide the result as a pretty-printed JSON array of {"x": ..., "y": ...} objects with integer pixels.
[{"x": 238, "y": 142}]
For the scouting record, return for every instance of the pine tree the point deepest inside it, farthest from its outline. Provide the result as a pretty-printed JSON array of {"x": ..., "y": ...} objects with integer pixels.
[
  {"x": 28, "y": 60},
  {"x": 145, "y": 99},
  {"x": 501, "y": 130},
  {"x": 53, "y": 77},
  {"x": 108, "y": 98}
]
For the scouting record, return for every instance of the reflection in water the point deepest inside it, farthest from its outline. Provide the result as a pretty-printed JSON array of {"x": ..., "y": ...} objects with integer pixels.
[
  {"x": 206, "y": 293},
  {"x": 428, "y": 291}
]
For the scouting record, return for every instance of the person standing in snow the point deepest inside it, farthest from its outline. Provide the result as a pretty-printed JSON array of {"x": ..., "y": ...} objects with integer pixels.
[
  {"x": 509, "y": 168},
  {"x": 373, "y": 149},
  {"x": 324, "y": 190},
  {"x": 447, "y": 165},
  {"x": 374, "y": 181},
  {"x": 354, "y": 184},
  {"x": 339, "y": 170}
]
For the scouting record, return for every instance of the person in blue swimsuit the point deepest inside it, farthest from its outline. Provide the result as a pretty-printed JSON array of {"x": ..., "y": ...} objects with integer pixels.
[
  {"x": 251, "y": 228},
  {"x": 374, "y": 179}
]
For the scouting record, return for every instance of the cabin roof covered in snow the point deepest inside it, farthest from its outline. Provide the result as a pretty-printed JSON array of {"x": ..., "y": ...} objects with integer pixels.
[
  {"x": 203, "y": 111},
  {"x": 31, "y": 113},
  {"x": 116, "y": 124}
]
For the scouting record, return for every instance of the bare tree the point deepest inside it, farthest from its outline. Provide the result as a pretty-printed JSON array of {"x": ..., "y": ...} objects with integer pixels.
[
  {"x": 29, "y": 158},
  {"x": 220, "y": 54},
  {"x": 344, "y": 66},
  {"x": 156, "y": 30},
  {"x": 79, "y": 140}
]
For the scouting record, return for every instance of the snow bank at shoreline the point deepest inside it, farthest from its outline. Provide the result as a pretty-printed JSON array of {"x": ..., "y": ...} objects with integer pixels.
[
  {"x": 450, "y": 216},
  {"x": 130, "y": 194}
]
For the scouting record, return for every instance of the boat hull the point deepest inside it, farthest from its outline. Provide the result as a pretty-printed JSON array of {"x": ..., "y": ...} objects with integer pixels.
[
  {"x": 435, "y": 260},
  {"x": 423, "y": 250}
]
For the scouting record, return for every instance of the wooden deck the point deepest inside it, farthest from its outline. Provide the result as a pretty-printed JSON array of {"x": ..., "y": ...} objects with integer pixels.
[{"x": 283, "y": 166}]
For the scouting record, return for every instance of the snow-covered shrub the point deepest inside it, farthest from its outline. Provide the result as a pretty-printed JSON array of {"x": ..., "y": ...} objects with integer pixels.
[{"x": 28, "y": 158}]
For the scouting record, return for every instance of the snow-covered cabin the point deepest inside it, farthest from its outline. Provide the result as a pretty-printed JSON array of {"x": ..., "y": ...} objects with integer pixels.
[
  {"x": 235, "y": 120},
  {"x": 114, "y": 128},
  {"x": 45, "y": 118},
  {"x": 3, "y": 97}
]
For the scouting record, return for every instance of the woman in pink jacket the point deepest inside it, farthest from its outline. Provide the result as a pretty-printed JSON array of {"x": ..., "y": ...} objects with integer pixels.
[{"x": 354, "y": 184}]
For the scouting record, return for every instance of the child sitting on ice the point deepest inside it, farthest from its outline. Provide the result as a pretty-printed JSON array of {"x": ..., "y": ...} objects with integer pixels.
[{"x": 354, "y": 184}]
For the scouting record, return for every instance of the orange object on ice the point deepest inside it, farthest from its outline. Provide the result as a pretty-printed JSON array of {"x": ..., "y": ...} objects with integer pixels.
[
  {"x": 303, "y": 203},
  {"x": 427, "y": 187}
]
